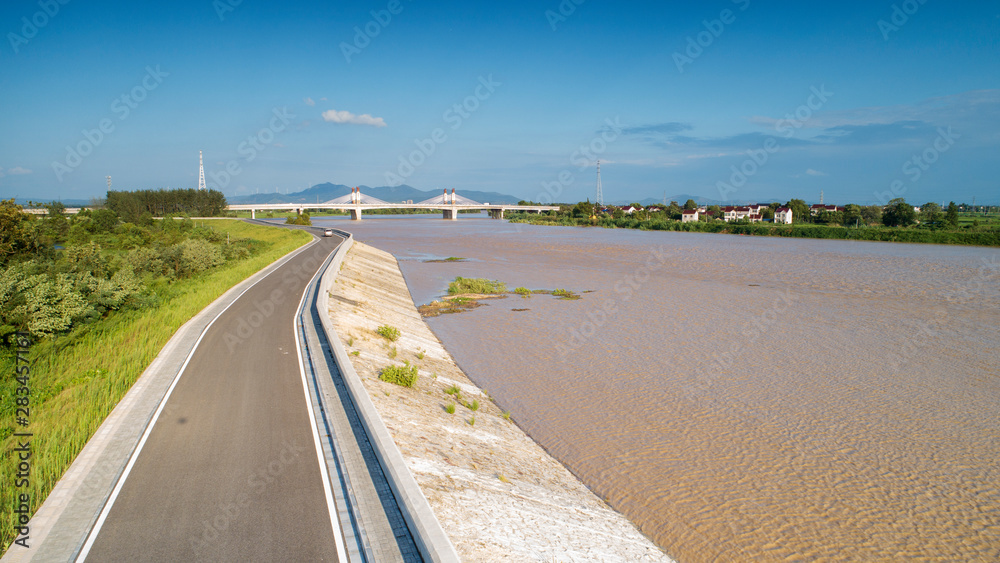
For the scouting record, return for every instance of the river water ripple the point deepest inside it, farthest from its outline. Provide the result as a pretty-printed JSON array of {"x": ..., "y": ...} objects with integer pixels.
[{"x": 741, "y": 398}]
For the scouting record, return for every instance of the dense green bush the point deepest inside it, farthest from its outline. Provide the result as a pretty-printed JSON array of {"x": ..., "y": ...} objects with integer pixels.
[
  {"x": 390, "y": 333},
  {"x": 302, "y": 219},
  {"x": 106, "y": 266},
  {"x": 405, "y": 376},
  {"x": 476, "y": 285}
]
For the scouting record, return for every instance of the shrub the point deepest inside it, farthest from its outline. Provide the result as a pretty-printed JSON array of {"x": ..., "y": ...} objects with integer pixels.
[
  {"x": 390, "y": 333},
  {"x": 302, "y": 219},
  {"x": 476, "y": 285},
  {"x": 405, "y": 376},
  {"x": 196, "y": 255},
  {"x": 523, "y": 292},
  {"x": 450, "y": 409}
]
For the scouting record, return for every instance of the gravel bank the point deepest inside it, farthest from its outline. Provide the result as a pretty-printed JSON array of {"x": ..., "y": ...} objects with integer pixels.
[{"x": 498, "y": 494}]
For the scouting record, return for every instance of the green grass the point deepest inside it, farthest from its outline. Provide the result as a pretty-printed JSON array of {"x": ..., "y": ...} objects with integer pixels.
[
  {"x": 392, "y": 353},
  {"x": 78, "y": 378},
  {"x": 453, "y": 259},
  {"x": 405, "y": 376},
  {"x": 453, "y": 390},
  {"x": 390, "y": 333},
  {"x": 523, "y": 292},
  {"x": 506, "y": 415},
  {"x": 473, "y": 406},
  {"x": 450, "y": 409},
  {"x": 564, "y": 294},
  {"x": 476, "y": 285}
]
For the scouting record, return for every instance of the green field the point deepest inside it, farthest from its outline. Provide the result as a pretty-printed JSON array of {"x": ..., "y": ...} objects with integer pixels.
[{"x": 78, "y": 377}]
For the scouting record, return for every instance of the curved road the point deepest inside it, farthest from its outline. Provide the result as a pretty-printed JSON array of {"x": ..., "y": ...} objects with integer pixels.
[{"x": 230, "y": 470}]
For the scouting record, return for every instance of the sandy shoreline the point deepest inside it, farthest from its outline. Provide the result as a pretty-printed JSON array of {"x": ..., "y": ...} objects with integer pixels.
[{"x": 498, "y": 495}]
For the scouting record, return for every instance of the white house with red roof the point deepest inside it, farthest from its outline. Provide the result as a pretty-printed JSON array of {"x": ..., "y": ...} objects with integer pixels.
[
  {"x": 689, "y": 215},
  {"x": 815, "y": 209},
  {"x": 783, "y": 215}
]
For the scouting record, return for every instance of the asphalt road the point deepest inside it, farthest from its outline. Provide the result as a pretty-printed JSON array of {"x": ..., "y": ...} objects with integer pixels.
[{"x": 230, "y": 470}]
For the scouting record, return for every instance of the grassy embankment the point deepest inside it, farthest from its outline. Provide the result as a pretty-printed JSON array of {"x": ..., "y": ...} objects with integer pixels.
[
  {"x": 79, "y": 377},
  {"x": 978, "y": 236}
]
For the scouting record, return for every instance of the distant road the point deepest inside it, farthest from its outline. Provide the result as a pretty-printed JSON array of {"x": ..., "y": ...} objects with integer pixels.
[{"x": 230, "y": 471}]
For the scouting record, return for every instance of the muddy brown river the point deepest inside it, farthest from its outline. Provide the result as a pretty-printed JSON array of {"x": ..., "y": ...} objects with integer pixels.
[{"x": 740, "y": 398}]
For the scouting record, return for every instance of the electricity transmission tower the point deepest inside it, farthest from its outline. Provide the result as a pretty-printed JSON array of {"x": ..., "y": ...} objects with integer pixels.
[
  {"x": 201, "y": 172},
  {"x": 600, "y": 194}
]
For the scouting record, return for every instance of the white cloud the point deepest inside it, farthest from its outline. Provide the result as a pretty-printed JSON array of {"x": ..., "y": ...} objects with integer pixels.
[
  {"x": 812, "y": 172},
  {"x": 309, "y": 101},
  {"x": 335, "y": 116},
  {"x": 18, "y": 170}
]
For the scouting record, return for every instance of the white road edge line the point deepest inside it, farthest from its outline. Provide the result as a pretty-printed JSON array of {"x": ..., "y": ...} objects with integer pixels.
[
  {"x": 96, "y": 530},
  {"x": 335, "y": 524}
]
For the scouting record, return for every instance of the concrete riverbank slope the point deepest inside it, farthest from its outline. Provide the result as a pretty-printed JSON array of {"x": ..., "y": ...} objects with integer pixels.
[{"x": 498, "y": 495}]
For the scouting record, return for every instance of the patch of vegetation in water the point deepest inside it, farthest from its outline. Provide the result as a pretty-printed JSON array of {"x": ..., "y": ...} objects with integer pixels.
[{"x": 449, "y": 259}]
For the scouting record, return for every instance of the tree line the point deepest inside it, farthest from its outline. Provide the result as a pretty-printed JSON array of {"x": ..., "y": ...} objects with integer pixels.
[{"x": 130, "y": 206}]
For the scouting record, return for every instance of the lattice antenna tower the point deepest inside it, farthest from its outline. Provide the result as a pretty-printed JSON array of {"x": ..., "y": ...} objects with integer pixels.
[
  {"x": 109, "y": 183},
  {"x": 201, "y": 172},
  {"x": 600, "y": 193}
]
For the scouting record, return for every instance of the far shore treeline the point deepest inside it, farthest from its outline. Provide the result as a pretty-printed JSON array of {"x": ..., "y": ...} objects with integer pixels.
[{"x": 898, "y": 221}]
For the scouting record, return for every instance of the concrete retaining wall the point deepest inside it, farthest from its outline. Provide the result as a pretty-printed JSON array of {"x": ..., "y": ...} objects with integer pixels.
[{"x": 430, "y": 538}]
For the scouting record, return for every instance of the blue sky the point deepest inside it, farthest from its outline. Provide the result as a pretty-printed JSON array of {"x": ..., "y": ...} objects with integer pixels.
[{"x": 729, "y": 100}]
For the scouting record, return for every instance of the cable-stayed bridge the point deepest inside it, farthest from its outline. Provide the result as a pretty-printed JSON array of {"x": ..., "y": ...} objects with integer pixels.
[{"x": 356, "y": 203}]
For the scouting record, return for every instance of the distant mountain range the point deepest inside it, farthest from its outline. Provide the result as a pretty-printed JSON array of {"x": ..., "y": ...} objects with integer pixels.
[{"x": 393, "y": 194}]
